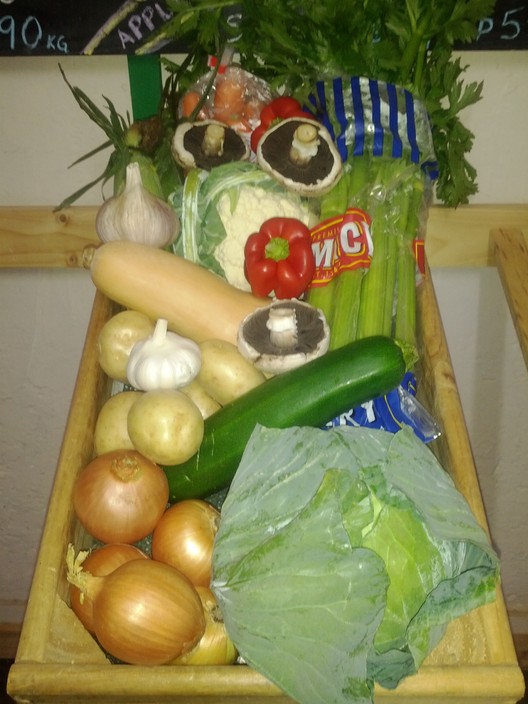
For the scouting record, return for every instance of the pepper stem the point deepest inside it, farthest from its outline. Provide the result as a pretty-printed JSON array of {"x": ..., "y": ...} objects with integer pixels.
[{"x": 277, "y": 249}]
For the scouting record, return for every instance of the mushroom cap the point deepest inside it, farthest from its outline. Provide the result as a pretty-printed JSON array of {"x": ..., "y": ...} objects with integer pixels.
[
  {"x": 255, "y": 343},
  {"x": 313, "y": 178},
  {"x": 187, "y": 145}
]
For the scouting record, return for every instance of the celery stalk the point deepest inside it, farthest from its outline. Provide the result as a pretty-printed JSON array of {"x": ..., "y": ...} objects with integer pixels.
[
  {"x": 334, "y": 203},
  {"x": 347, "y": 289},
  {"x": 375, "y": 311},
  {"x": 405, "y": 316},
  {"x": 359, "y": 181},
  {"x": 388, "y": 294},
  {"x": 347, "y": 298},
  {"x": 382, "y": 299},
  {"x": 401, "y": 207}
]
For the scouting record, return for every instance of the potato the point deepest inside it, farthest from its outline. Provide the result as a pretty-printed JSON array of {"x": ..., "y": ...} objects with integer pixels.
[
  {"x": 225, "y": 373},
  {"x": 196, "y": 392},
  {"x": 165, "y": 426},
  {"x": 116, "y": 339},
  {"x": 111, "y": 431}
]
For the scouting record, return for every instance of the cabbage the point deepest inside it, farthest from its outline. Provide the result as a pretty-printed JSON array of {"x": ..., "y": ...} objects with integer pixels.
[{"x": 341, "y": 556}]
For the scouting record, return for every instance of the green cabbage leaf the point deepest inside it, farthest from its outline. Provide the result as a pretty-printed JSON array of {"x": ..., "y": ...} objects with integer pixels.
[{"x": 341, "y": 557}]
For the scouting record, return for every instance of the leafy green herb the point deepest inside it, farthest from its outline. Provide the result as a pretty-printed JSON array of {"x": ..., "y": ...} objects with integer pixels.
[
  {"x": 147, "y": 142},
  {"x": 114, "y": 126}
]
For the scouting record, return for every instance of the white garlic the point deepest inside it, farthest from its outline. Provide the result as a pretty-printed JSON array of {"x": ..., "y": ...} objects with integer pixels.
[
  {"x": 164, "y": 360},
  {"x": 137, "y": 215}
]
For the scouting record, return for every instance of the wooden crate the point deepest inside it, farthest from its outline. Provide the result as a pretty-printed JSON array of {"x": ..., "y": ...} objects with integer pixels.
[{"x": 58, "y": 661}]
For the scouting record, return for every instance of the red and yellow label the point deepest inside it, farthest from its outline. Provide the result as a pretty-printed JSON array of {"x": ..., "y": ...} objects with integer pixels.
[
  {"x": 342, "y": 243},
  {"x": 419, "y": 255}
]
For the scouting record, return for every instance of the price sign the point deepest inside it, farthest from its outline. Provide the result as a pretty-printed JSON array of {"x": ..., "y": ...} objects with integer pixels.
[
  {"x": 70, "y": 27},
  {"x": 506, "y": 29}
]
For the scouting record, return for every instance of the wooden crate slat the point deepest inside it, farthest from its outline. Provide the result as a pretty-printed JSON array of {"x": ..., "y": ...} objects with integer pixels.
[{"x": 39, "y": 237}]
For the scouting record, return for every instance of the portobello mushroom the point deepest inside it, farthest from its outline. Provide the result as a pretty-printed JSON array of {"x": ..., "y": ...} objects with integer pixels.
[
  {"x": 283, "y": 335},
  {"x": 299, "y": 152},
  {"x": 205, "y": 144}
]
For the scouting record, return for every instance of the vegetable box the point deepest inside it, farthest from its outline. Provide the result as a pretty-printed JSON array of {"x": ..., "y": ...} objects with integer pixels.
[{"x": 58, "y": 660}]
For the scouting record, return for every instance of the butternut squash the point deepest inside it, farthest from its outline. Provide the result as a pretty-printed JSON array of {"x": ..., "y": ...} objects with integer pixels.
[{"x": 196, "y": 302}]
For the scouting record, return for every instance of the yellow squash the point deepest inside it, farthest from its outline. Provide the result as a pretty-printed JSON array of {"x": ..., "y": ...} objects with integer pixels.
[{"x": 196, "y": 303}]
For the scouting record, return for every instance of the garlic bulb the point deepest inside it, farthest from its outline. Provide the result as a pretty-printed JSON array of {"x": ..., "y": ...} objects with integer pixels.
[
  {"x": 164, "y": 360},
  {"x": 137, "y": 215}
]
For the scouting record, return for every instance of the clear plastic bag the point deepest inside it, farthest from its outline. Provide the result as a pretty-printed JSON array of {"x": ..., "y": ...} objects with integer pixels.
[
  {"x": 384, "y": 138},
  {"x": 392, "y": 412},
  {"x": 230, "y": 95}
]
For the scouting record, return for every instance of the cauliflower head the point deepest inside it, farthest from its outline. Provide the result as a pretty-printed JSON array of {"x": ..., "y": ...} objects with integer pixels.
[{"x": 254, "y": 205}]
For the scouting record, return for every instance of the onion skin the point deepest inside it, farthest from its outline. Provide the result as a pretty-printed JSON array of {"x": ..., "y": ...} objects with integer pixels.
[
  {"x": 214, "y": 647},
  {"x": 184, "y": 537},
  {"x": 101, "y": 562},
  {"x": 120, "y": 496},
  {"x": 146, "y": 612}
]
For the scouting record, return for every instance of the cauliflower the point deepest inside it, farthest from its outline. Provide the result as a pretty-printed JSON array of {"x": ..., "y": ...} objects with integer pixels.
[{"x": 254, "y": 206}]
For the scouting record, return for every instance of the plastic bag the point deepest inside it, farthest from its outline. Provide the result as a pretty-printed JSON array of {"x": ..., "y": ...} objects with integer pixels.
[
  {"x": 383, "y": 135},
  {"x": 369, "y": 117},
  {"x": 392, "y": 412},
  {"x": 234, "y": 97}
]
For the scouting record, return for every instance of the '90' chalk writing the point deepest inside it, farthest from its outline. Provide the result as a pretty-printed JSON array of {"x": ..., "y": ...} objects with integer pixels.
[{"x": 30, "y": 35}]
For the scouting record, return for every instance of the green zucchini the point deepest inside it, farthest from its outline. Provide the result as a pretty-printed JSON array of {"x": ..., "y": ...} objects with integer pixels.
[{"x": 310, "y": 395}]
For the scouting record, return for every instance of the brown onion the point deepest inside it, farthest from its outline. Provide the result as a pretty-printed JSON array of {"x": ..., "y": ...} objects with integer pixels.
[
  {"x": 184, "y": 537},
  {"x": 100, "y": 562},
  {"x": 214, "y": 647},
  {"x": 120, "y": 496},
  {"x": 144, "y": 612}
]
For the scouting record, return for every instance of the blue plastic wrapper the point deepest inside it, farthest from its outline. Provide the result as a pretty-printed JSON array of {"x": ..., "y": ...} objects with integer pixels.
[
  {"x": 365, "y": 116},
  {"x": 391, "y": 412}
]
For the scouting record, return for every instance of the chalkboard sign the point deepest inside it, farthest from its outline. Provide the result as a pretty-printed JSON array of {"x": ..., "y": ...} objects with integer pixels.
[
  {"x": 55, "y": 27},
  {"x": 506, "y": 29}
]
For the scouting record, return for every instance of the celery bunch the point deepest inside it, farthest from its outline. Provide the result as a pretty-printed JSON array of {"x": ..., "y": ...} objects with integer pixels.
[{"x": 380, "y": 300}]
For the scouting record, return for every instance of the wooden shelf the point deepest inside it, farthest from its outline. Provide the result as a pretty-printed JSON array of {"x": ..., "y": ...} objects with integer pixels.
[
  {"x": 509, "y": 252},
  {"x": 36, "y": 236}
]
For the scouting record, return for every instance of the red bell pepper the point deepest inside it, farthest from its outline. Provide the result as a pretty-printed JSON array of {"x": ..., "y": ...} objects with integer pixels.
[
  {"x": 279, "y": 258},
  {"x": 278, "y": 109}
]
